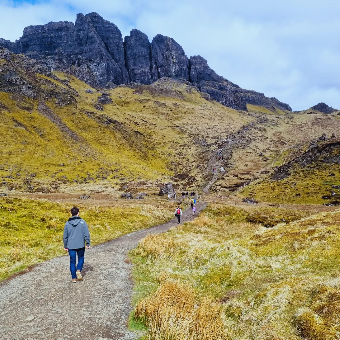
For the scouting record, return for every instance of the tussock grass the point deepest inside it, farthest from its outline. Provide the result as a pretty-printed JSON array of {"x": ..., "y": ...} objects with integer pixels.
[
  {"x": 280, "y": 282},
  {"x": 171, "y": 313},
  {"x": 31, "y": 230}
]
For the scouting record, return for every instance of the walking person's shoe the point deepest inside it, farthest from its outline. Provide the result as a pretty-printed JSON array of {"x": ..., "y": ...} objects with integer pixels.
[
  {"x": 79, "y": 276},
  {"x": 74, "y": 280}
]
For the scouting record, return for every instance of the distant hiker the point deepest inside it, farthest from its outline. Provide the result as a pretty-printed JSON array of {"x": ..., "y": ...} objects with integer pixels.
[
  {"x": 178, "y": 214},
  {"x": 76, "y": 234},
  {"x": 214, "y": 170},
  {"x": 193, "y": 210},
  {"x": 192, "y": 202}
]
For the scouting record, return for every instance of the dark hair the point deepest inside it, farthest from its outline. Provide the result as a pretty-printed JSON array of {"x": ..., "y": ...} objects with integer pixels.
[{"x": 74, "y": 211}]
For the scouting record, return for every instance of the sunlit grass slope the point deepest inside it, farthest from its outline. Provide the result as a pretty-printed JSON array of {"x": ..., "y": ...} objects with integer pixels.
[
  {"x": 226, "y": 276},
  {"x": 31, "y": 230},
  {"x": 68, "y": 132}
]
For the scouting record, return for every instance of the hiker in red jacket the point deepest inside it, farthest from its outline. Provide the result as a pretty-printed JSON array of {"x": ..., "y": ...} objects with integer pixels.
[{"x": 178, "y": 214}]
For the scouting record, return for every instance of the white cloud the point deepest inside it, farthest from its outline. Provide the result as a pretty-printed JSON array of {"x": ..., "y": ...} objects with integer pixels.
[{"x": 285, "y": 49}]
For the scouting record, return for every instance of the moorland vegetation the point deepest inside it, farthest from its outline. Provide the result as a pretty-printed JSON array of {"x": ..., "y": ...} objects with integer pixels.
[
  {"x": 240, "y": 271},
  {"x": 227, "y": 276}
]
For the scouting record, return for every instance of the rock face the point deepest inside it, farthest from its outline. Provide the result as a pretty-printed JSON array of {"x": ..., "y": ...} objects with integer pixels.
[
  {"x": 168, "y": 59},
  {"x": 138, "y": 57},
  {"x": 93, "y": 50}
]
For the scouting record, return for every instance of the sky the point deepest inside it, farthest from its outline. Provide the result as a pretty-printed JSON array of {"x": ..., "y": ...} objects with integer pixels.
[{"x": 288, "y": 49}]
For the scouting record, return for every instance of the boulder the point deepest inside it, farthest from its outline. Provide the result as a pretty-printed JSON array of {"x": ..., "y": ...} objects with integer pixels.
[
  {"x": 84, "y": 197},
  {"x": 126, "y": 195},
  {"x": 166, "y": 189},
  {"x": 249, "y": 200},
  {"x": 104, "y": 99},
  {"x": 332, "y": 203}
]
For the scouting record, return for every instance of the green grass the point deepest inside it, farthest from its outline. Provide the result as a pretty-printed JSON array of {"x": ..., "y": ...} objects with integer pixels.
[{"x": 31, "y": 230}]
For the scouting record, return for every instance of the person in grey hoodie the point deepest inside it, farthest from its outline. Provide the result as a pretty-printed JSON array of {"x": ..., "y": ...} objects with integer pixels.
[{"x": 76, "y": 235}]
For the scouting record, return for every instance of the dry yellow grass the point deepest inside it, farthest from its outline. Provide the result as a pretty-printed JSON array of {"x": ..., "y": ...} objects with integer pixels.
[
  {"x": 174, "y": 313},
  {"x": 269, "y": 283}
]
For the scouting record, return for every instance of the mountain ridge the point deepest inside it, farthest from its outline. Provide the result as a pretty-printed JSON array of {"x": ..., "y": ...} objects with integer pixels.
[{"x": 93, "y": 50}]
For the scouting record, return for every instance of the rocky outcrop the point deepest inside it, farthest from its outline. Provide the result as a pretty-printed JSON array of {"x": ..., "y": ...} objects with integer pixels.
[
  {"x": 20, "y": 77},
  {"x": 256, "y": 98},
  {"x": 201, "y": 72},
  {"x": 322, "y": 107},
  {"x": 93, "y": 50},
  {"x": 323, "y": 152},
  {"x": 226, "y": 92}
]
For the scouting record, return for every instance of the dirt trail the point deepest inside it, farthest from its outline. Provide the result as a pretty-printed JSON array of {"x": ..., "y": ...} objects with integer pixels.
[{"x": 44, "y": 304}]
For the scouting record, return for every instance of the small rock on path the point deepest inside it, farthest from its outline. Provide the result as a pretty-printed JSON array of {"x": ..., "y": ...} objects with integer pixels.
[{"x": 44, "y": 304}]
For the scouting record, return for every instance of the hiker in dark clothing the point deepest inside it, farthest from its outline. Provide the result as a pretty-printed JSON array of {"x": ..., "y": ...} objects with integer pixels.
[
  {"x": 76, "y": 234},
  {"x": 178, "y": 214}
]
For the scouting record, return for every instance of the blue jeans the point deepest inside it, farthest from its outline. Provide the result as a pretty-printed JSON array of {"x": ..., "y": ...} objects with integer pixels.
[{"x": 73, "y": 259}]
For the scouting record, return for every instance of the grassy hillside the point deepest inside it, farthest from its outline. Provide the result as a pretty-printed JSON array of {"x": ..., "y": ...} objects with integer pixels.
[
  {"x": 226, "y": 276},
  {"x": 311, "y": 177},
  {"x": 273, "y": 141},
  {"x": 311, "y": 185},
  {"x": 63, "y": 131},
  {"x": 59, "y": 134}
]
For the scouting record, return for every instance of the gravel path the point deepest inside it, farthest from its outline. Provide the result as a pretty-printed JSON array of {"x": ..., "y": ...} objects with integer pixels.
[{"x": 44, "y": 304}]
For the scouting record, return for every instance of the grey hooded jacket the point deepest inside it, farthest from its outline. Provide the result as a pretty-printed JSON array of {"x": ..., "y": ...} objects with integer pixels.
[{"x": 76, "y": 233}]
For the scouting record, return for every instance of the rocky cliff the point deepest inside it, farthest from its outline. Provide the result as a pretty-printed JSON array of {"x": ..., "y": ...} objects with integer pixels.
[{"x": 93, "y": 50}]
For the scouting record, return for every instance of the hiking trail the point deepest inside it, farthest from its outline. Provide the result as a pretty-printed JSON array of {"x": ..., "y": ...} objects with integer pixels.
[{"x": 42, "y": 303}]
